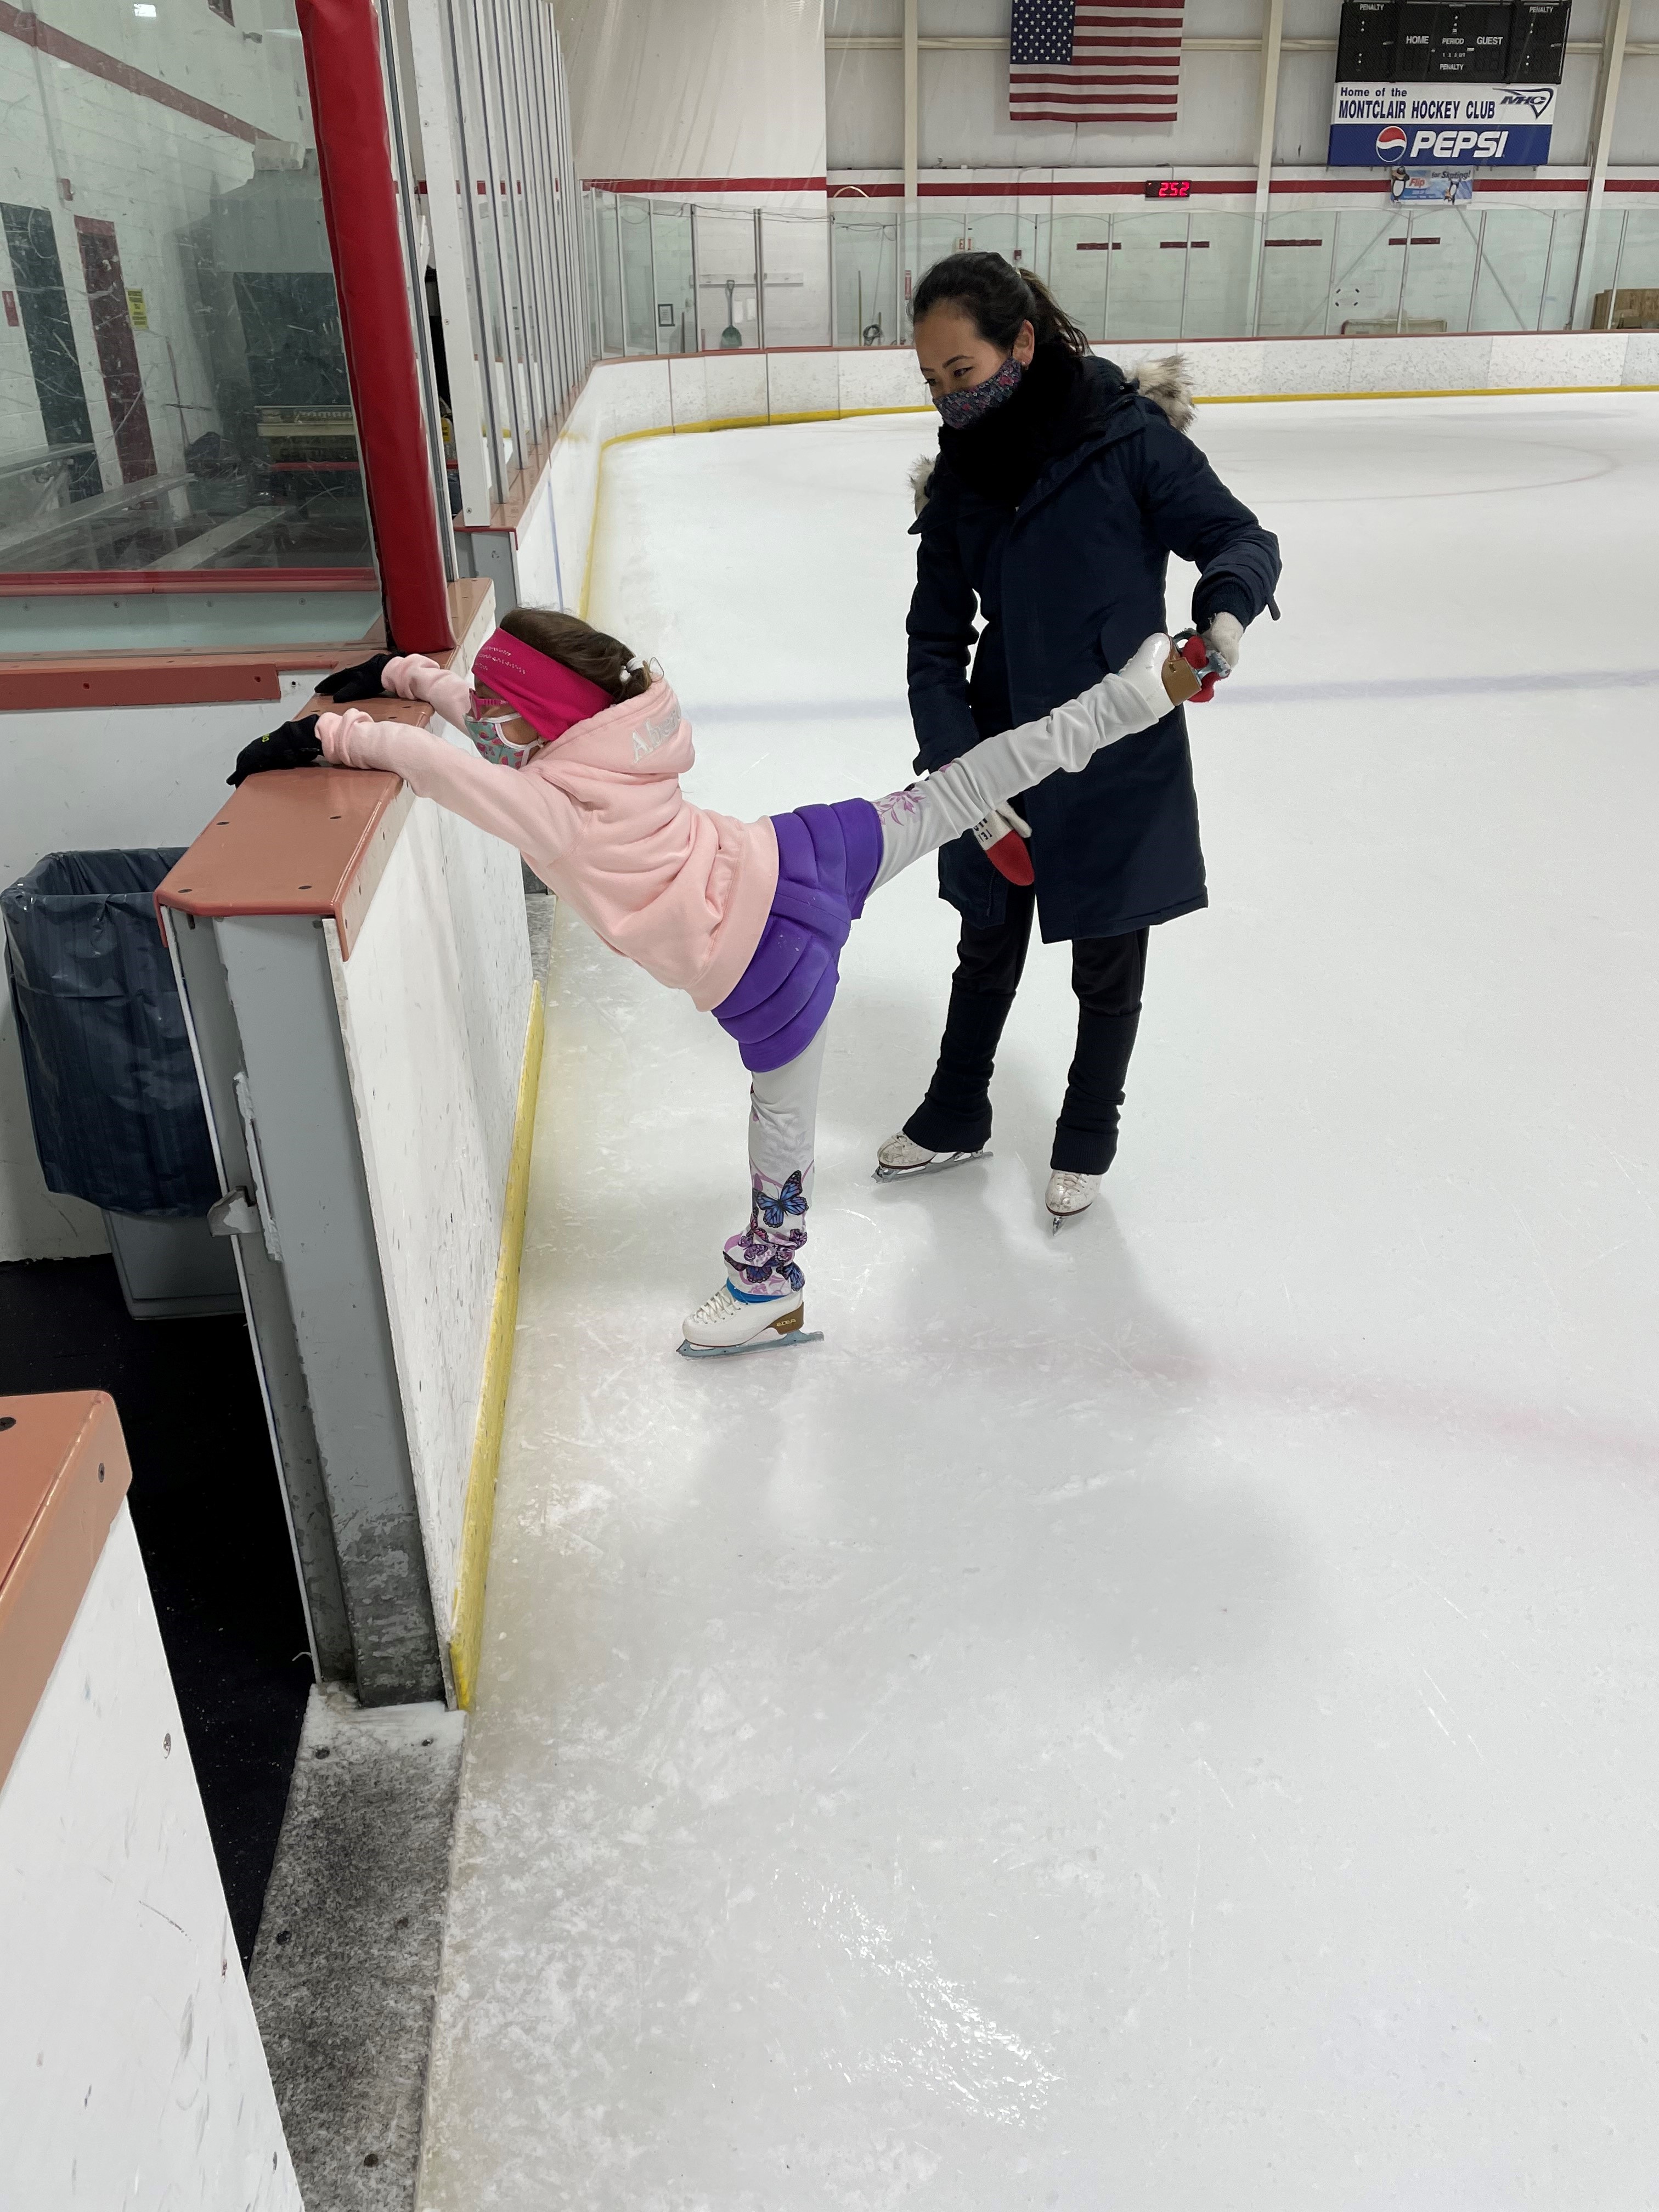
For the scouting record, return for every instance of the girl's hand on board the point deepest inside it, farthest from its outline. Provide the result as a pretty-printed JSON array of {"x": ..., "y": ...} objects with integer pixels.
[{"x": 411, "y": 676}]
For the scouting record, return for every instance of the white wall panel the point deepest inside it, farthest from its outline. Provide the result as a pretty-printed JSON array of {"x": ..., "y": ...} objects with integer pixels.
[
  {"x": 865, "y": 109},
  {"x": 434, "y": 1001},
  {"x": 1301, "y": 120},
  {"x": 131, "y": 2070},
  {"x": 659, "y": 88},
  {"x": 1636, "y": 126}
]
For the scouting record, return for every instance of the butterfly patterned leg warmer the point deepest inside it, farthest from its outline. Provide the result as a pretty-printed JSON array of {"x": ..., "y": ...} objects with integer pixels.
[{"x": 763, "y": 1259}]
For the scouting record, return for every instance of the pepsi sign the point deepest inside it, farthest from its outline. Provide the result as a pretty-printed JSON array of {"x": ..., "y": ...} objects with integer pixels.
[{"x": 1402, "y": 126}]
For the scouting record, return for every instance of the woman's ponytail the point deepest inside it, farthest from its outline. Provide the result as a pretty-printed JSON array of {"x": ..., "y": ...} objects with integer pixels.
[{"x": 997, "y": 298}]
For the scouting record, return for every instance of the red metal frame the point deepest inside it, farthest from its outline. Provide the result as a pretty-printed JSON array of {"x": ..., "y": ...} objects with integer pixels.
[
  {"x": 124, "y": 583},
  {"x": 360, "y": 204}
]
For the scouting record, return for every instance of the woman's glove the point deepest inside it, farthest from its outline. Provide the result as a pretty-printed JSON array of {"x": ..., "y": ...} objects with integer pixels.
[
  {"x": 411, "y": 676},
  {"x": 1224, "y": 637}
]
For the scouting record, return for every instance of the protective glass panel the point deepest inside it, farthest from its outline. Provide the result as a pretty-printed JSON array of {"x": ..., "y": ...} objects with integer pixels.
[
  {"x": 607, "y": 237},
  {"x": 638, "y": 302},
  {"x": 173, "y": 396},
  {"x": 1600, "y": 271},
  {"x": 1080, "y": 262},
  {"x": 1438, "y": 280},
  {"x": 673, "y": 298},
  {"x": 1295, "y": 274},
  {"x": 728, "y": 314},
  {"x": 1149, "y": 276},
  {"x": 796, "y": 280},
  {"x": 866, "y": 280},
  {"x": 1220, "y": 260},
  {"x": 1369, "y": 265},
  {"x": 1566, "y": 229},
  {"x": 1515, "y": 253},
  {"x": 1637, "y": 282}
]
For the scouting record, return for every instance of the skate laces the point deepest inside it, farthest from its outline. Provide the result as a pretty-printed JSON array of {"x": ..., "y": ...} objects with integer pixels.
[{"x": 719, "y": 1307}]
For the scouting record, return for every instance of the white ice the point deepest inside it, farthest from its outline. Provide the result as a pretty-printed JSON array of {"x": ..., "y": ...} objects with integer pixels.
[{"x": 1163, "y": 1717}]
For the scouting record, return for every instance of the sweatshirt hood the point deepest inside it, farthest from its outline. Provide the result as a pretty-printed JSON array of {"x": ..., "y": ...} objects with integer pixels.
[{"x": 647, "y": 738}]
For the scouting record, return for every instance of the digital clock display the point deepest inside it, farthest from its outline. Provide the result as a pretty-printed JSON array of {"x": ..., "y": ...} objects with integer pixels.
[{"x": 1168, "y": 188}]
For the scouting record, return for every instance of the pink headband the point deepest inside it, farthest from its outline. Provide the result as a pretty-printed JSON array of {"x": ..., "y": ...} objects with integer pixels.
[{"x": 551, "y": 697}]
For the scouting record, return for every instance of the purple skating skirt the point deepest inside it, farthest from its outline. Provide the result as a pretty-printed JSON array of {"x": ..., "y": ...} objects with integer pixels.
[{"x": 827, "y": 860}]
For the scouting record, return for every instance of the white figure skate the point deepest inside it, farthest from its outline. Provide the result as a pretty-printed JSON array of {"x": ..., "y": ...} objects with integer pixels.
[
  {"x": 1068, "y": 1195},
  {"x": 898, "y": 1157},
  {"x": 732, "y": 1321}
]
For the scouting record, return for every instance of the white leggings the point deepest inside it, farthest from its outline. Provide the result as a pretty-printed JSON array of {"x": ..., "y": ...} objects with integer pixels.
[{"x": 761, "y": 1259}]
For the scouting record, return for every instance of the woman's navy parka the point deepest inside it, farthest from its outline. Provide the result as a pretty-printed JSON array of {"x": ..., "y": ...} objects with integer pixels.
[{"x": 1068, "y": 585}]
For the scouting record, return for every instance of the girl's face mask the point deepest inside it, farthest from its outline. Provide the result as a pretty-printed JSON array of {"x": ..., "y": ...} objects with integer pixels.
[
  {"x": 488, "y": 725},
  {"x": 962, "y": 409}
]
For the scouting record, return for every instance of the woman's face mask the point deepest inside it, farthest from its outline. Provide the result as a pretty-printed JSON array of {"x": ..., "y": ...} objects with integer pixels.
[{"x": 962, "y": 409}]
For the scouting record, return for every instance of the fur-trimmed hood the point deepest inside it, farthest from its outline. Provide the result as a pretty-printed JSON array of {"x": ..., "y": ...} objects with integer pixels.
[{"x": 1166, "y": 382}]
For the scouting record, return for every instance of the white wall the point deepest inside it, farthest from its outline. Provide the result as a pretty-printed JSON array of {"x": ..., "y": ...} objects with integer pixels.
[
  {"x": 131, "y": 2071},
  {"x": 80, "y": 780},
  {"x": 435, "y": 1003},
  {"x": 662, "y": 88}
]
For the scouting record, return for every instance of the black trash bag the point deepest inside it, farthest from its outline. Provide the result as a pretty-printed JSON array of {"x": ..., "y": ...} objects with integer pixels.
[{"x": 111, "y": 1086}]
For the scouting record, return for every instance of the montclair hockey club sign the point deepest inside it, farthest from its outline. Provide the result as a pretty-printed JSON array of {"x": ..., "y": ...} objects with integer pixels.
[{"x": 1403, "y": 126}]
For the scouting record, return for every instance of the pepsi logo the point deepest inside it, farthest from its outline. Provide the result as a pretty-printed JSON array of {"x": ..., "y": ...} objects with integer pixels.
[{"x": 1391, "y": 143}]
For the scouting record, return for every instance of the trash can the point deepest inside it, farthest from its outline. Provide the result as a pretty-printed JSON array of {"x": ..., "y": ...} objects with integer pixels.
[{"x": 113, "y": 1099}]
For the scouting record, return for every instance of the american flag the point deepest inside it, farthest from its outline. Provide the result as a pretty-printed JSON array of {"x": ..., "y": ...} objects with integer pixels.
[{"x": 1095, "y": 61}]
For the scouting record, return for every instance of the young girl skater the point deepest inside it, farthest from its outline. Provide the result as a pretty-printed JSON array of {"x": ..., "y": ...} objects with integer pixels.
[{"x": 580, "y": 749}]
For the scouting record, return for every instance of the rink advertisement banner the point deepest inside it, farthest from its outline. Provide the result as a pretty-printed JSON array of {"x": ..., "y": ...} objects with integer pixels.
[{"x": 1393, "y": 126}]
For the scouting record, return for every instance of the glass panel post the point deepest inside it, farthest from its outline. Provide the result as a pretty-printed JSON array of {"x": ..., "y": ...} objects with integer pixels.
[{"x": 696, "y": 296}]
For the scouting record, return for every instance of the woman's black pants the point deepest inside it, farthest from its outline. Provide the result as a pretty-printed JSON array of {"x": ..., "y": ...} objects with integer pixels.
[{"x": 1106, "y": 973}]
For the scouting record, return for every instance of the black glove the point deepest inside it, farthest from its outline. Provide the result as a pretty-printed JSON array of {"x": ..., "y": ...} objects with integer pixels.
[
  {"x": 361, "y": 681},
  {"x": 296, "y": 744}
]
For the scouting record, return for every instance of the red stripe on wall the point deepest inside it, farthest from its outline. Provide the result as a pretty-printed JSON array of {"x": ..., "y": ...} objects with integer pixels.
[
  {"x": 706, "y": 183},
  {"x": 1239, "y": 188}
]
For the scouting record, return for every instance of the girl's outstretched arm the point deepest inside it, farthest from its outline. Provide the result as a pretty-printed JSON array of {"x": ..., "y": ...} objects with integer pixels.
[
  {"x": 514, "y": 803},
  {"x": 928, "y": 815}
]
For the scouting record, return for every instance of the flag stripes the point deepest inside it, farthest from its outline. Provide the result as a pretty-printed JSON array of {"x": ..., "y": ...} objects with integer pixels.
[{"x": 1095, "y": 61}]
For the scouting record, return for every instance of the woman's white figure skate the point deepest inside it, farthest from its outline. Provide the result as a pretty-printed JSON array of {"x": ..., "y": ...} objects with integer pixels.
[
  {"x": 898, "y": 1157},
  {"x": 732, "y": 1321},
  {"x": 1068, "y": 1195}
]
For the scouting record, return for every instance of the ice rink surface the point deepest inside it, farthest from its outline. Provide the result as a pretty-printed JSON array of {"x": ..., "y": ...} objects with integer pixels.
[{"x": 1163, "y": 1719}]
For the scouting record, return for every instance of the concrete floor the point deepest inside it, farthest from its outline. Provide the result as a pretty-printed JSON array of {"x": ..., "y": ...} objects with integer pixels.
[{"x": 1162, "y": 1717}]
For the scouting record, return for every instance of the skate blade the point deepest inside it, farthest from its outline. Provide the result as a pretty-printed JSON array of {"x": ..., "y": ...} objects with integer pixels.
[
  {"x": 930, "y": 1167},
  {"x": 770, "y": 1342},
  {"x": 1058, "y": 1221}
]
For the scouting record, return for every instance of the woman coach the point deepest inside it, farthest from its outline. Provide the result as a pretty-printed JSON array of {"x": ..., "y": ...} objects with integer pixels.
[{"x": 1060, "y": 490}]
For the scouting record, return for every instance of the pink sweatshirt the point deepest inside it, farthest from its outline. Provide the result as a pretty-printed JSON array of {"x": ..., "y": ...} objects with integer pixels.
[{"x": 601, "y": 818}]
